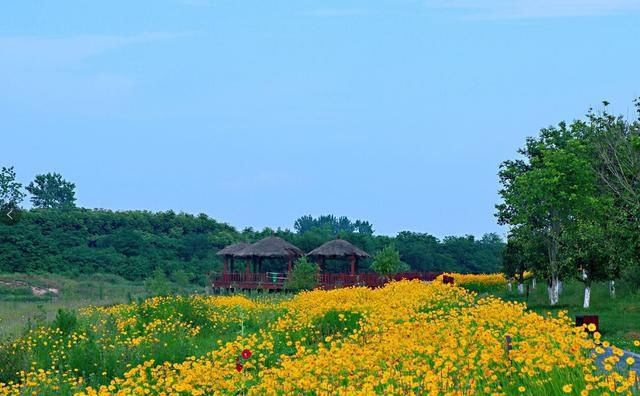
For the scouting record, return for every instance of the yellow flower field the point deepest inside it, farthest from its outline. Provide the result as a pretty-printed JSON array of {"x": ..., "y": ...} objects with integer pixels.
[{"x": 408, "y": 338}]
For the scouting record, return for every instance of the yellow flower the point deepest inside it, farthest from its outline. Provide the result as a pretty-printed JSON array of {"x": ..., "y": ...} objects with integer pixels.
[
  {"x": 521, "y": 389},
  {"x": 591, "y": 327},
  {"x": 567, "y": 388},
  {"x": 636, "y": 343},
  {"x": 630, "y": 361}
]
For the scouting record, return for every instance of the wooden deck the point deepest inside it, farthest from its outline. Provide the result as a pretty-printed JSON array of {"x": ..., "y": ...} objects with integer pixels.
[{"x": 276, "y": 280}]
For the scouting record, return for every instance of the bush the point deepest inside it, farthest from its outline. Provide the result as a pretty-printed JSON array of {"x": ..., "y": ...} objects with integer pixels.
[
  {"x": 303, "y": 276},
  {"x": 387, "y": 261},
  {"x": 66, "y": 321},
  {"x": 158, "y": 284}
]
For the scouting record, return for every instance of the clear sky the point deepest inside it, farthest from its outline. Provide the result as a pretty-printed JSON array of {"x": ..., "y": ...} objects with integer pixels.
[{"x": 258, "y": 112}]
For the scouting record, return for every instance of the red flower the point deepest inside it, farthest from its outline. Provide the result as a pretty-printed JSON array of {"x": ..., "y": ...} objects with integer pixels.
[
  {"x": 239, "y": 367},
  {"x": 246, "y": 354}
]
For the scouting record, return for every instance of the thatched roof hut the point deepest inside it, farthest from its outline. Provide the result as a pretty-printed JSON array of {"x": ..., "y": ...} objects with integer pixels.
[
  {"x": 270, "y": 247},
  {"x": 232, "y": 249},
  {"x": 228, "y": 255},
  {"x": 338, "y": 248}
]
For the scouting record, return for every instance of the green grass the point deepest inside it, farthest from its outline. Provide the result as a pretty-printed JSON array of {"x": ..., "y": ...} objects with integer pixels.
[
  {"x": 21, "y": 309},
  {"x": 619, "y": 317}
]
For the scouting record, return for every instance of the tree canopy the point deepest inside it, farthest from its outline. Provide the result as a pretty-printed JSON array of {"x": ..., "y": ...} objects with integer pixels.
[{"x": 572, "y": 201}]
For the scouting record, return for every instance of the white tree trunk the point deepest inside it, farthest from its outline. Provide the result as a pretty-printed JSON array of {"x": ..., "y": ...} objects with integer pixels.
[
  {"x": 520, "y": 288},
  {"x": 533, "y": 283},
  {"x": 559, "y": 287},
  {"x": 509, "y": 286},
  {"x": 554, "y": 290},
  {"x": 587, "y": 296},
  {"x": 612, "y": 288},
  {"x": 587, "y": 289}
]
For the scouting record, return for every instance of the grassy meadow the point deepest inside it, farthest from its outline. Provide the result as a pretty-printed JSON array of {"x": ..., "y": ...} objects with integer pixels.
[
  {"x": 406, "y": 338},
  {"x": 21, "y": 308}
]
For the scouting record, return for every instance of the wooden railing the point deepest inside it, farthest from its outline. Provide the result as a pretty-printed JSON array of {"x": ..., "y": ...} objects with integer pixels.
[{"x": 276, "y": 280}]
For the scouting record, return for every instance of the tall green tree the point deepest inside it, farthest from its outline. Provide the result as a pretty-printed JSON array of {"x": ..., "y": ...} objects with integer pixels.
[
  {"x": 52, "y": 191},
  {"x": 11, "y": 194},
  {"x": 616, "y": 147},
  {"x": 548, "y": 190}
]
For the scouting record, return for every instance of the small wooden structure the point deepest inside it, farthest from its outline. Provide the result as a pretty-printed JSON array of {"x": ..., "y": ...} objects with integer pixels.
[
  {"x": 278, "y": 248},
  {"x": 340, "y": 249},
  {"x": 269, "y": 247},
  {"x": 228, "y": 255}
]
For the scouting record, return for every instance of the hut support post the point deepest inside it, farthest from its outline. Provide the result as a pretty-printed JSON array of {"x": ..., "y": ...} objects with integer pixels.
[
  {"x": 289, "y": 264},
  {"x": 247, "y": 269},
  {"x": 352, "y": 259},
  {"x": 225, "y": 264},
  {"x": 320, "y": 262}
]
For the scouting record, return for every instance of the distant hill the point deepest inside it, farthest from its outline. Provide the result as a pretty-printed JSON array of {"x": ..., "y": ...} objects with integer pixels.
[{"x": 133, "y": 244}]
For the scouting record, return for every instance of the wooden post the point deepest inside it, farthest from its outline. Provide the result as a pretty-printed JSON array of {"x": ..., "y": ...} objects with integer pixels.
[
  {"x": 320, "y": 262},
  {"x": 290, "y": 264},
  {"x": 247, "y": 269},
  {"x": 353, "y": 264},
  {"x": 225, "y": 264},
  {"x": 231, "y": 262}
]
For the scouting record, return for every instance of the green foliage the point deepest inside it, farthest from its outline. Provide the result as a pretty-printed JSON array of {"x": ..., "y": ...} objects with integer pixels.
[
  {"x": 303, "y": 276},
  {"x": 334, "y": 225},
  {"x": 52, "y": 191},
  {"x": 181, "y": 278},
  {"x": 129, "y": 244},
  {"x": 337, "y": 322},
  {"x": 132, "y": 244},
  {"x": 11, "y": 196},
  {"x": 10, "y": 190},
  {"x": 183, "y": 327},
  {"x": 573, "y": 201},
  {"x": 387, "y": 261},
  {"x": 158, "y": 284},
  {"x": 66, "y": 321}
]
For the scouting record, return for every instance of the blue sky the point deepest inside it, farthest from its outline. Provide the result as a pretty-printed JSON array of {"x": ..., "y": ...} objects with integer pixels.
[{"x": 257, "y": 112}]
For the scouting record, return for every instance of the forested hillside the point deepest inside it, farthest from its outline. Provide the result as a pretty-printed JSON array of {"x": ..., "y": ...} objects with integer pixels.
[{"x": 134, "y": 243}]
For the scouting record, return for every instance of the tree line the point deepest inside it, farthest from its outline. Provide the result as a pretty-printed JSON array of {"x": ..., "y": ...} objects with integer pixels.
[
  {"x": 572, "y": 203},
  {"x": 56, "y": 236}
]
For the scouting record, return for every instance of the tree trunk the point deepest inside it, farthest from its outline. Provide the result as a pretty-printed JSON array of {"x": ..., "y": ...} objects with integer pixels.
[
  {"x": 587, "y": 295},
  {"x": 509, "y": 286},
  {"x": 587, "y": 289},
  {"x": 520, "y": 288},
  {"x": 533, "y": 283},
  {"x": 612, "y": 288},
  {"x": 553, "y": 290},
  {"x": 560, "y": 288},
  {"x": 553, "y": 246}
]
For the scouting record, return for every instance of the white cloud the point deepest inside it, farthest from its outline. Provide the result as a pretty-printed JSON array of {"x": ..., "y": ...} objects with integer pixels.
[{"x": 523, "y": 9}]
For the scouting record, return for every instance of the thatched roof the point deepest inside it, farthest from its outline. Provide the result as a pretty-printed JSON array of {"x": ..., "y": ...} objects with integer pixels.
[
  {"x": 232, "y": 249},
  {"x": 338, "y": 248},
  {"x": 270, "y": 247}
]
